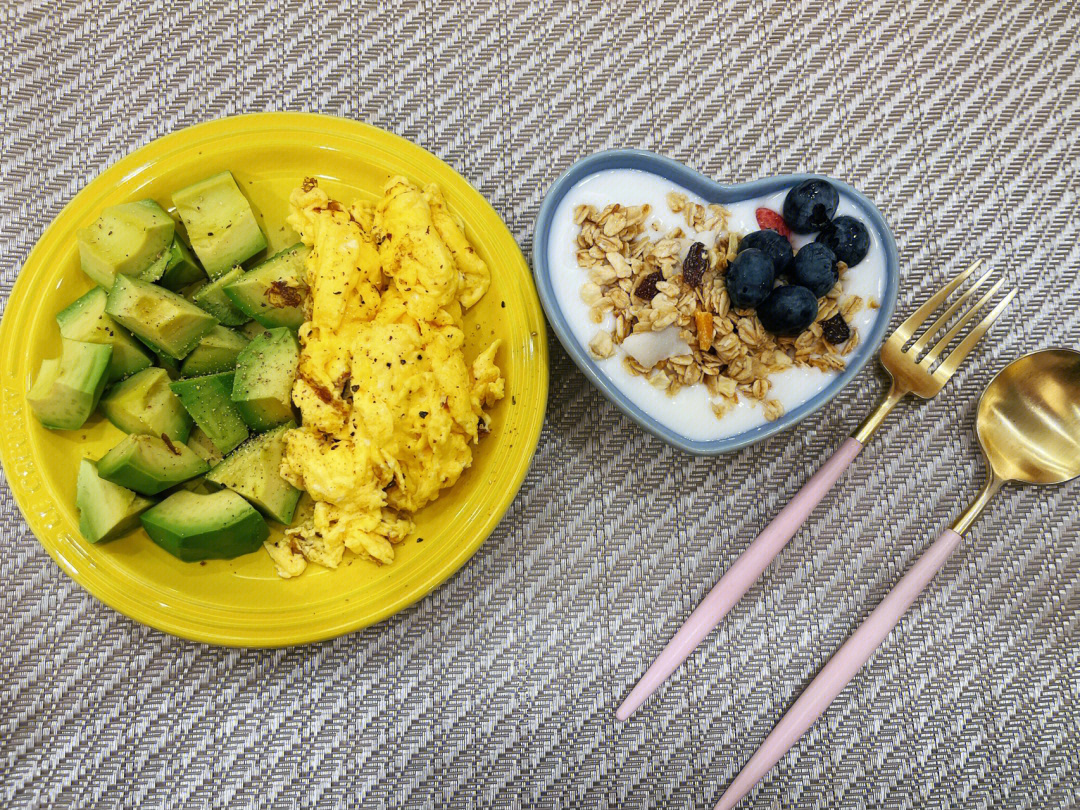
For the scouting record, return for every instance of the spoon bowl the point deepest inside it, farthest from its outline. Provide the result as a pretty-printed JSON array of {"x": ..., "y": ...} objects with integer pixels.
[{"x": 1028, "y": 419}]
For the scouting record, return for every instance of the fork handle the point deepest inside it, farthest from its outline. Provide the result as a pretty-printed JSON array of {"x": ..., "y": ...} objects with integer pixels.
[
  {"x": 841, "y": 668},
  {"x": 741, "y": 575}
]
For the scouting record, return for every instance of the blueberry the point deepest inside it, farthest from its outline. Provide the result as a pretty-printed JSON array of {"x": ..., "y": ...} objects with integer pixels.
[
  {"x": 773, "y": 245},
  {"x": 847, "y": 238},
  {"x": 750, "y": 279},
  {"x": 788, "y": 310},
  {"x": 815, "y": 268},
  {"x": 810, "y": 205}
]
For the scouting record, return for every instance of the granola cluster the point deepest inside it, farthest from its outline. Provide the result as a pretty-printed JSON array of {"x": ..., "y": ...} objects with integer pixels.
[{"x": 641, "y": 278}]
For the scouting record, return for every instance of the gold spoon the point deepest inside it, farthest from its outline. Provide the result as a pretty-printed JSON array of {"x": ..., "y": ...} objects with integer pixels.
[{"x": 1028, "y": 424}]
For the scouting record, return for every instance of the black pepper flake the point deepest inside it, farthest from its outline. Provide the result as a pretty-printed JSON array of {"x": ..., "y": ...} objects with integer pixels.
[{"x": 423, "y": 414}]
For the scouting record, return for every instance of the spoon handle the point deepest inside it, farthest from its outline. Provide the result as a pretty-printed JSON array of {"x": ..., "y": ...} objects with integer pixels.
[
  {"x": 742, "y": 574},
  {"x": 841, "y": 668}
]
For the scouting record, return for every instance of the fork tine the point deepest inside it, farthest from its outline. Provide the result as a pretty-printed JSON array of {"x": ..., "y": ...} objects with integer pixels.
[
  {"x": 943, "y": 344},
  {"x": 956, "y": 357},
  {"x": 932, "y": 330},
  {"x": 923, "y": 312}
]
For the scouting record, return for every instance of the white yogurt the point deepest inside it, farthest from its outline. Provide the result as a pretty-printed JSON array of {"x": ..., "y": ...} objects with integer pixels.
[{"x": 689, "y": 412}]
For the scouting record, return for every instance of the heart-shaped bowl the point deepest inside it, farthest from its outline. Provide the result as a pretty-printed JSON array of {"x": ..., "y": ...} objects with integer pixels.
[{"x": 851, "y": 201}]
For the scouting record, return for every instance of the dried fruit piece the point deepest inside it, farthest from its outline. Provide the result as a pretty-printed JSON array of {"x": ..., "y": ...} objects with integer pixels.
[
  {"x": 835, "y": 329},
  {"x": 695, "y": 264},
  {"x": 705, "y": 329},
  {"x": 646, "y": 290},
  {"x": 770, "y": 220}
]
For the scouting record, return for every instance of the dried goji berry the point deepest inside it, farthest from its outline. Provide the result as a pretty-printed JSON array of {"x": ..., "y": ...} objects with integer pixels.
[{"x": 769, "y": 220}]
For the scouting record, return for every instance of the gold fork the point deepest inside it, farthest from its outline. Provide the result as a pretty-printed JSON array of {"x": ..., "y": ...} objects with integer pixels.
[{"x": 912, "y": 372}]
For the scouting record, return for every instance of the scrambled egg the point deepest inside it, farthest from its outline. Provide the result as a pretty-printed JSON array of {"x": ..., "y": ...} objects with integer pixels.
[{"x": 390, "y": 408}]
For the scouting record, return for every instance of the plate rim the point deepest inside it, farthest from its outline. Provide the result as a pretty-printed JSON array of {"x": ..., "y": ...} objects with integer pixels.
[
  {"x": 332, "y": 624},
  {"x": 704, "y": 186}
]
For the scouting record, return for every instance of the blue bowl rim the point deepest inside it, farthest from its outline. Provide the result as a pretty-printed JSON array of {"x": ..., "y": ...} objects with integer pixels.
[{"x": 712, "y": 191}]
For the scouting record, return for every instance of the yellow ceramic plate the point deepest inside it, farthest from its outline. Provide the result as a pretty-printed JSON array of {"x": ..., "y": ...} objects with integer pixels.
[{"x": 242, "y": 601}]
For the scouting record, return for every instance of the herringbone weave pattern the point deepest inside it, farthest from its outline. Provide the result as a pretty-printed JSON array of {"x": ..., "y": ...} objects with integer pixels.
[{"x": 961, "y": 119}]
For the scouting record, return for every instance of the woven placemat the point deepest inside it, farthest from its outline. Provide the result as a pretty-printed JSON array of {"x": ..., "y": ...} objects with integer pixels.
[{"x": 960, "y": 119}]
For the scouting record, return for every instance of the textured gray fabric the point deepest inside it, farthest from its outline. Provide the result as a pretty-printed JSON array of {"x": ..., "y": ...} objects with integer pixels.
[{"x": 960, "y": 119}]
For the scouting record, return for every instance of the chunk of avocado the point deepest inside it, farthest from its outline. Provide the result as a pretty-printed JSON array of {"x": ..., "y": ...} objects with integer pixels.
[
  {"x": 190, "y": 290},
  {"x": 193, "y": 526},
  {"x": 160, "y": 318},
  {"x": 106, "y": 510},
  {"x": 126, "y": 239},
  {"x": 204, "y": 448},
  {"x": 85, "y": 320},
  {"x": 170, "y": 364},
  {"x": 252, "y": 329},
  {"x": 67, "y": 389},
  {"x": 219, "y": 222},
  {"x": 150, "y": 464},
  {"x": 144, "y": 403},
  {"x": 216, "y": 352},
  {"x": 200, "y": 486},
  {"x": 275, "y": 293},
  {"x": 181, "y": 267},
  {"x": 213, "y": 299},
  {"x": 265, "y": 373},
  {"x": 254, "y": 470},
  {"x": 209, "y": 401}
]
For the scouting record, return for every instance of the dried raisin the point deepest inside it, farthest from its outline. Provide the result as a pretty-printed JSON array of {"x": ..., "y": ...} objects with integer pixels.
[
  {"x": 835, "y": 329},
  {"x": 695, "y": 264},
  {"x": 646, "y": 290}
]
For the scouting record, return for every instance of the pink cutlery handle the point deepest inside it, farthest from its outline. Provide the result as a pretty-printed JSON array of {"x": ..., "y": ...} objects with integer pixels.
[
  {"x": 741, "y": 576},
  {"x": 841, "y": 668}
]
